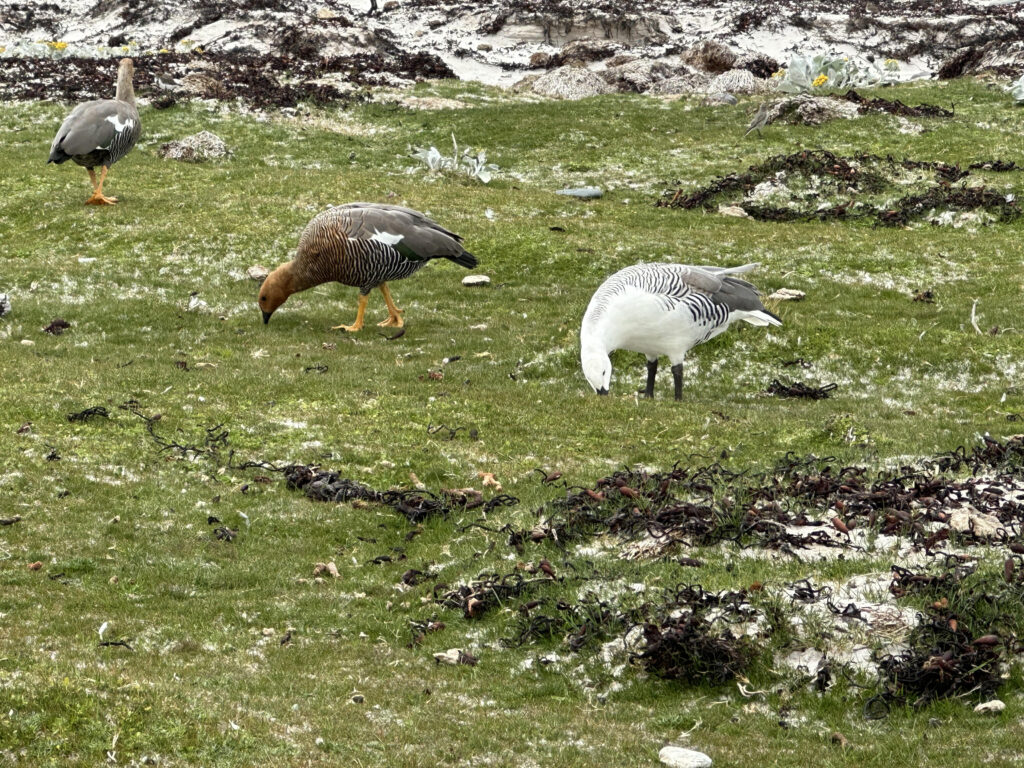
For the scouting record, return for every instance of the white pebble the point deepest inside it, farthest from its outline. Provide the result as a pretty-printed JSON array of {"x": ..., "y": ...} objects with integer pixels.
[{"x": 677, "y": 757}]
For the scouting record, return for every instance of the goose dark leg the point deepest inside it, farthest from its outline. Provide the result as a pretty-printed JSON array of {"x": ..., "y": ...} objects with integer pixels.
[
  {"x": 98, "y": 198},
  {"x": 358, "y": 324},
  {"x": 677, "y": 377},
  {"x": 652, "y": 370},
  {"x": 394, "y": 313}
]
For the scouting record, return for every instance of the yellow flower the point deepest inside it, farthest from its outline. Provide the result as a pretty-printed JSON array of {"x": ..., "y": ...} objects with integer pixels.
[
  {"x": 780, "y": 73},
  {"x": 125, "y": 48},
  {"x": 820, "y": 80},
  {"x": 3, "y": 48},
  {"x": 163, "y": 50},
  {"x": 60, "y": 45}
]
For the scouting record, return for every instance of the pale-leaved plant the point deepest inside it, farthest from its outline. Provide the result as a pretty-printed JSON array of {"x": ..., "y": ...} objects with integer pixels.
[{"x": 470, "y": 161}]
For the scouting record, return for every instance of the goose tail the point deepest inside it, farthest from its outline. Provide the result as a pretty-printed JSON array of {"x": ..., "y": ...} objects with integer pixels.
[{"x": 760, "y": 317}]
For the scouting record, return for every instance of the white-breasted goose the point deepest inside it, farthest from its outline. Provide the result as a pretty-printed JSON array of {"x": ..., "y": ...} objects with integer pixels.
[{"x": 663, "y": 309}]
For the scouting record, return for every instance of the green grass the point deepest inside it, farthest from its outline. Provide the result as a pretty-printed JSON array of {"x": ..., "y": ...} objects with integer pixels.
[{"x": 120, "y": 526}]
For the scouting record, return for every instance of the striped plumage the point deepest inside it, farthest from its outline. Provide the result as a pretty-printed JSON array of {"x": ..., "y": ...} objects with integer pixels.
[
  {"x": 364, "y": 245},
  {"x": 663, "y": 309},
  {"x": 99, "y": 133}
]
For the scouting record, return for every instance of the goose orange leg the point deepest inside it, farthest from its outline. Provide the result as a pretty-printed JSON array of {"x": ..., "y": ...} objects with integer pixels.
[
  {"x": 98, "y": 198},
  {"x": 394, "y": 313},
  {"x": 358, "y": 324}
]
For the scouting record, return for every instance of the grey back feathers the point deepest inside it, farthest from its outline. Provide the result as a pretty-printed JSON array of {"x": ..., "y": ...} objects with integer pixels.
[
  {"x": 97, "y": 133},
  {"x": 366, "y": 244},
  {"x": 710, "y": 294},
  {"x": 100, "y": 132}
]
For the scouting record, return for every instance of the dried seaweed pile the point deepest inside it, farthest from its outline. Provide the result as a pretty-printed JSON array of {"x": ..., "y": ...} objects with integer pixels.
[
  {"x": 969, "y": 620},
  {"x": 261, "y": 81},
  {"x": 690, "y": 637},
  {"x": 965, "y": 635},
  {"x": 843, "y": 187},
  {"x": 895, "y": 106},
  {"x": 580, "y": 624},
  {"x": 415, "y": 505}
]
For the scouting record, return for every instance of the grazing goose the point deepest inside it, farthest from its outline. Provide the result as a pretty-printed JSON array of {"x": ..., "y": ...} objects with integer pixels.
[
  {"x": 100, "y": 133},
  {"x": 363, "y": 245},
  {"x": 663, "y": 309}
]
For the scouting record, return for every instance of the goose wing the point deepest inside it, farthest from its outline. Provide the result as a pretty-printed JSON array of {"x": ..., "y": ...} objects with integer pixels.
[
  {"x": 105, "y": 124},
  {"x": 411, "y": 233}
]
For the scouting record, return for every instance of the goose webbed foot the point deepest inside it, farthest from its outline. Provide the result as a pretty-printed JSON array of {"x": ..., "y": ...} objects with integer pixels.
[
  {"x": 358, "y": 324},
  {"x": 677, "y": 378},
  {"x": 394, "y": 313},
  {"x": 98, "y": 198}
]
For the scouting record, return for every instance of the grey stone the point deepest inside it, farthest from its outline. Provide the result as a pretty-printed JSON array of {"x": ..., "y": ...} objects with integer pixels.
[{"x": 585, "y": 193}]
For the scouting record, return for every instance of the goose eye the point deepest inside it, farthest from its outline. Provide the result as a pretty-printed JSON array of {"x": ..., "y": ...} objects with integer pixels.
[{"x": 263, "y": 297}]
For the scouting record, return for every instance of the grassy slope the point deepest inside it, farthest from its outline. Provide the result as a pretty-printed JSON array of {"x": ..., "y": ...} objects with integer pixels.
[{"x": 914, "y": 378}]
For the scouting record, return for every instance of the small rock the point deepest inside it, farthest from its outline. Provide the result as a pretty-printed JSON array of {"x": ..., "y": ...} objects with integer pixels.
[
  {"x": 485, "y": 47},
  {"x": 257, "y": 272},
  {"x": 838, "y": 738},
  {"x": 357, "y": 698},
  {"x": 5, "y": 304},
  {"x": 677, "y": 757},
  {"x": 269, "y": 632},
  {"x": 733, "y": 210},
  {"x": 787, "y": 294},
  {"x": 993, "y": 707},
  {"x": 804, "y": 109},
  {"x": 36, "y": 565},
  {"x": 327, "y": 13},
  {"x": 451, "y": 656},
  {"x": 197, "y": 148},
  {"x": 970, "y": 519},
  {"x": 584, "y": 193},
  {"x": 476, "y": 281},
  {"x": 27, "y": 343}
]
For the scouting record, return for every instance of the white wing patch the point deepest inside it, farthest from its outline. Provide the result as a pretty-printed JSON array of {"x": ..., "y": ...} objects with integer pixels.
[
  {"x": 386, "y": 237},
  {"x": 118, "y": 125}
]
